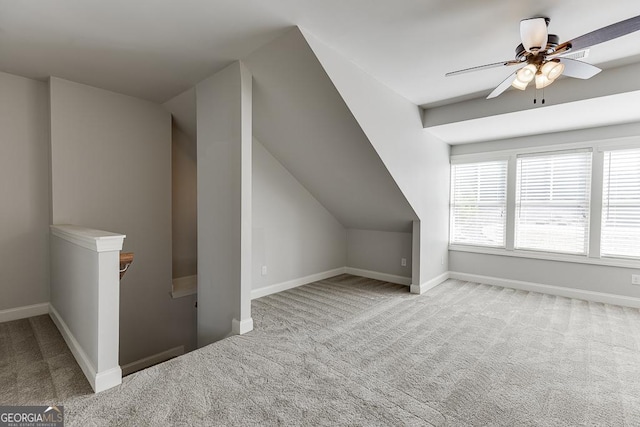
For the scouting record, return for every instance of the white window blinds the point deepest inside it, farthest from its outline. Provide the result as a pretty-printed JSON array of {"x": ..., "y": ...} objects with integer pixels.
[
  {"x": 552, "y": 202},
  {"x": 621, "y": 204},
  {"x": 478, "y": 203}
]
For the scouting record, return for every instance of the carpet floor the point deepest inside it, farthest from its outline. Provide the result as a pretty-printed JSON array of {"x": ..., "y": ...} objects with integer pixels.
[
  {"x": 36, "y": 366},
  {"x": 355, "y": 351}
]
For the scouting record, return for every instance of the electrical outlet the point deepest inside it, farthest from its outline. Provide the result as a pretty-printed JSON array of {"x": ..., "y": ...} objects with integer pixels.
[
  {"x": 635, "y": 279},
  {"x": 441, "y": 260},
  {"x": 403, "y": 262},
  {"x": 264, "y": 270}
]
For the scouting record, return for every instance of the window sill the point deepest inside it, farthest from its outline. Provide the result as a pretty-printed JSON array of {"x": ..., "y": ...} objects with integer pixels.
[{"x": 579, "y": 259}]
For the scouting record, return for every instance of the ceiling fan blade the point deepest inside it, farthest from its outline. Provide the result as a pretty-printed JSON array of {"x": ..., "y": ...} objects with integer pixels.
[
  {"x": 506, "y": 83},
  {"x": 533, "y": 32},
  {"x": 604, "y": 34},
  {"x": 578, "y": 69},
  {"x": 483, "y": 67}
]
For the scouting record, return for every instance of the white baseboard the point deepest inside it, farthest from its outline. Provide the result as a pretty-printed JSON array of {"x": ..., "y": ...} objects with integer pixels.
[
  {"x": 154, "y": 359},
  {"x": 240, "y": 327},
  {"x": 279, "y": 287},
  {"x": 549, "y": 289},
  {"x": 108, "y": 379},
  {"x": 430, "y": 284},
  {"x": 183, "y": 286},
  {"x": 401, "y": 280},
  {"x": 24, "y": 312},
  {"x": 99, "y": 380}
]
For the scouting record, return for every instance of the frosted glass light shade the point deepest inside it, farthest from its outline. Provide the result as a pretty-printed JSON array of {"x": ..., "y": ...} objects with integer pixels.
[
  {"x": 534, "y": 34},
  {"x": 552, "y": 69},
  {"x": 542, "y": 81},
  {"x": 526, "y": 74},
  {"x": 518, "y": 84}
]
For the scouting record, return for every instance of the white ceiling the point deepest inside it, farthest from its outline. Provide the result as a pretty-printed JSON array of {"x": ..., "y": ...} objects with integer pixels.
[{"x": 156, "y": 49}]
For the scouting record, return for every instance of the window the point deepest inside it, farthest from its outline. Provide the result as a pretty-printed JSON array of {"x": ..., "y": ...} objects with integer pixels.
[
  {"x": 552, "y": 202},
  {"x": 478, "y": 203},
  {"x": 621, "y": 204},
  {"x": 579, "y": 203}
]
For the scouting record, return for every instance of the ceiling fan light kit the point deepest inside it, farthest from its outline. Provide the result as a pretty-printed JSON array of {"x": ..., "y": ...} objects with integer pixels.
[
  {"x": 524, "y": 76},
  {"x": 544, "y": 74},
  {"x": 546, "y": 59},
  {"x": 519, "y": 84},
  {"x": 552, "y": 69},
  {"x": 542, "y": 81}
]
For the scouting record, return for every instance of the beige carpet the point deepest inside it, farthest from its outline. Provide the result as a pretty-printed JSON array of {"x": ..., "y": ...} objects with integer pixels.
[
  {"x": 357, "y": 351},
  {"x": 36, "y": 367}
]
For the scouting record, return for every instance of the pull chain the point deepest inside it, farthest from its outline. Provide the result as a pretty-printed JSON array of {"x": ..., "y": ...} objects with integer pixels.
[{"x": 535, "y": 97}]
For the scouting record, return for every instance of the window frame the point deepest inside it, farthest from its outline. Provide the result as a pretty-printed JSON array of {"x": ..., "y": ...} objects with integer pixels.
[
  {"x": 518, "y": 201},
  {"x": 451, "y": 203},
  {"x": 601, "y": 253},
  {"x": 595, "y": 213}
]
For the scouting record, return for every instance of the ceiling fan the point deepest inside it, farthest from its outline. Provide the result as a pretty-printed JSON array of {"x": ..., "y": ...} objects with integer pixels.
[{"x": 544, "y": 59}]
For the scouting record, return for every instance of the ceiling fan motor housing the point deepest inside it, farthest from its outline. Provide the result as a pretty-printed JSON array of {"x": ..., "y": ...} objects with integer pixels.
[{"x": 552, "y": 42}]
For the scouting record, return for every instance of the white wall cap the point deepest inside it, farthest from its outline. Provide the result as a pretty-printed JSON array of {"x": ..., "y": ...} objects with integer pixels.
[{"x": 96, "y": 240}]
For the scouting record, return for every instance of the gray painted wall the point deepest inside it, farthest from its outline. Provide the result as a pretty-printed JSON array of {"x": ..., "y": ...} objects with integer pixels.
[
  {"x": 597, "y": 278},
  {"x": 111, "y": 170},
  {"x": 183, "y": 111},
  {"x": 224, "y": 213},
  {"x": 184, "y": 203},
  {"x": 24, "y": 189},
  {"x": 616, "y": 280},
  {"x": 293, "y": 234},
  {"x": 418, "y": 162},
  {"x": 379, "y": 251},
  {"x": 302, "y": 120}
]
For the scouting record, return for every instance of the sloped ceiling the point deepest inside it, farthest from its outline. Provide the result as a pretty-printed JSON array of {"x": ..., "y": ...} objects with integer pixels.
[{"x": 301, "y": 119}]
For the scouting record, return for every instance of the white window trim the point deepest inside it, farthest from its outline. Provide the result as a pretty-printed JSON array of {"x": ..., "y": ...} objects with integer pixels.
[
  {"x": 588, "y": 194},
  {"x": 549, "y": 256},
  {"x": 602, "y": 200},
  {"x": 595, "y": 224},
  {"x": 624, "y": 143},
  {"x": 595, "y": 213},
  {"x": 451, "y": 195}
]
